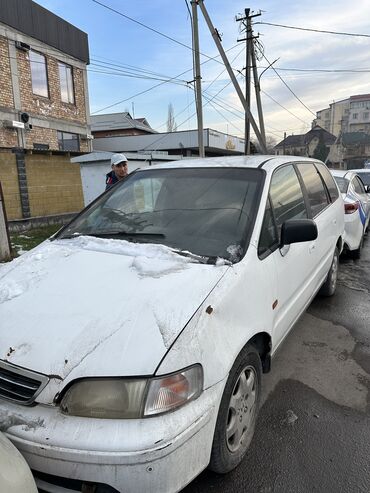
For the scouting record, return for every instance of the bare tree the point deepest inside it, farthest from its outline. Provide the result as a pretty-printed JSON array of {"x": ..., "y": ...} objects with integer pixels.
[{"x": 171, "y": 123}]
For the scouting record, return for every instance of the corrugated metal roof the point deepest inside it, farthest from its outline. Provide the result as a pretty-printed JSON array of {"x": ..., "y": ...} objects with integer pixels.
[{"x": 118, "y": 121}]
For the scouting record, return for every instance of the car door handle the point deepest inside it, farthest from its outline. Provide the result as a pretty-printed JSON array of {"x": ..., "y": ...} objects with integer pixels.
[{"x": 311, "y": 248}]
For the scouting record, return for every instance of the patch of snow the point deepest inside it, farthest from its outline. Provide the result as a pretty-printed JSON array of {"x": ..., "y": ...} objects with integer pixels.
[
  {"x": 122, "y": 247},
  {"x": 235, "y": 252},
  {"x": 26, "y": 270},
  {"x": 146, "y": 267}
]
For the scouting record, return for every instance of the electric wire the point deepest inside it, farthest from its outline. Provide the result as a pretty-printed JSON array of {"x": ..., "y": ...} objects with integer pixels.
[
  {"x": 155, "y": 86},
  {"x": 151, "y": 29},
  {"x": 314, "y": 30}
]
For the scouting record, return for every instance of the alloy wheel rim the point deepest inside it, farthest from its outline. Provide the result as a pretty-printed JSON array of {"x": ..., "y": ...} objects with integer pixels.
[
  {"x": 334, "y": 271},
  {"x": 242, "y": 408}
]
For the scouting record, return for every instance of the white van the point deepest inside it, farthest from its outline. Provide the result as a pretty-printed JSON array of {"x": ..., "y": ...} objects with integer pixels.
[{"x": 133, "y": 341}]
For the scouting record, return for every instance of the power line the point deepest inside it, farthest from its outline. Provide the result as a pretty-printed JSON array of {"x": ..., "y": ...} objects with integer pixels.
[
  {"x": 150, "y": 28},
  {"x": 314, "y": 30},
  {"x": 284, "y": 108},
  {"x": 353, "y": 70},
  {"x": 286, "y": 85},
  {"x": 156, "y": 85}
]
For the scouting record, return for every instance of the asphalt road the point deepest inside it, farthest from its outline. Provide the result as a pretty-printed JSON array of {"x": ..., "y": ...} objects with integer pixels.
[{"x": 313, "y": 429}]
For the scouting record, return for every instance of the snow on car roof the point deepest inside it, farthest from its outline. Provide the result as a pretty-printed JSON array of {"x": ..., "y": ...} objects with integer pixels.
[{"x": 253, "y": 161}]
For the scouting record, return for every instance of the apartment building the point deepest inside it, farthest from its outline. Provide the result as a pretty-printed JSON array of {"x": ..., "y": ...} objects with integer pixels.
[
  {"x": 348, "y": 115},
  {"x": 44, "y": 108}
]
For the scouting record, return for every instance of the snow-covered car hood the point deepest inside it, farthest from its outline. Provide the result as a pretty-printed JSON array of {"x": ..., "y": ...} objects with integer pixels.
[{"x": 89, "y": 306}]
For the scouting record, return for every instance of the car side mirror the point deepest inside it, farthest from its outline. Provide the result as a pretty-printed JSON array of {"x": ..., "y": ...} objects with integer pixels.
[{"x": 297, "y": 231}]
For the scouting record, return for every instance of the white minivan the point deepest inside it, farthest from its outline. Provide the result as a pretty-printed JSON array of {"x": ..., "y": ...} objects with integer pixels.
[{"x": 133, "y": 341}]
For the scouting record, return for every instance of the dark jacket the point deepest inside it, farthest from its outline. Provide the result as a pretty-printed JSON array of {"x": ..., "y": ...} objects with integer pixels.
[{"x": 110, "y": 179}]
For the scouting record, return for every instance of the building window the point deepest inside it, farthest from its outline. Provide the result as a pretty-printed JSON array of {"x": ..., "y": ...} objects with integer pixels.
[
  {"x": 66, "y": 83},
  {"x": 68, "y": 142},
  {"x": 39, "y": 74},
  {"x": 354, "y": 116},
  {"x": 366, "y": 115}
]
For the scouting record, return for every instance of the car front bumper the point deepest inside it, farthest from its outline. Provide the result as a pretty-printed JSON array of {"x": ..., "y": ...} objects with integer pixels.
[{"x": 158, "y": 454}]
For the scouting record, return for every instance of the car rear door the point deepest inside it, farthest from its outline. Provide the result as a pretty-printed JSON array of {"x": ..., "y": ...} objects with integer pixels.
[{"x": 325, "y": 217}]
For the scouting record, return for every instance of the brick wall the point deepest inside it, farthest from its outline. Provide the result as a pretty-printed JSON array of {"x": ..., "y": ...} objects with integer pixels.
[
  {"x": 9, "y": 182},
  {"x": 6, "y": 91},
  {"x": 8, "y": 137},
  {"x": 51, "y": 106},
  {"x": 54, "y": 185},
  {"x": 41, "y": 135}
]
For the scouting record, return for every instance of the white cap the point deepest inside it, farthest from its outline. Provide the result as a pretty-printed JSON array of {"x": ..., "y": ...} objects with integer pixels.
[{"x": 118, "y": 158}]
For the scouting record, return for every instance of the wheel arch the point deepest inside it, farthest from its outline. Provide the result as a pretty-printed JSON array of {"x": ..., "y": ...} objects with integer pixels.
[
  {"x": 262, "y": 343},
  {"x": 340, "y": 245}
]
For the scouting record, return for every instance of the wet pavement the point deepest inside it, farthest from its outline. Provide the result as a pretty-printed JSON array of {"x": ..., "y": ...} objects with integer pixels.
[{"x": 313, "y": 430}]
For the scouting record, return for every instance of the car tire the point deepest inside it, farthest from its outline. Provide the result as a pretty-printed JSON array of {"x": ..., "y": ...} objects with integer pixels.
[
  {"x": 356, "y": 254},
  {"x": 330, "y": 284},
  {"x": 237, "y": 412}
]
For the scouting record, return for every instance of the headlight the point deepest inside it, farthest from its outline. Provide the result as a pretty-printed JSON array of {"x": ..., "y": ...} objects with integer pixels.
[{"x": 117, "y": 398}]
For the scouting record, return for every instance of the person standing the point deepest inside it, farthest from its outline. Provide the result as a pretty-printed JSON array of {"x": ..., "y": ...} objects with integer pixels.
[{"x": 119, "y": 171}]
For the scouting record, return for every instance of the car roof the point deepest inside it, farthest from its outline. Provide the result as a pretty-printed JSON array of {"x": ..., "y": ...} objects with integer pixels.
[
  {"x": 343, "y": 173},
  {"x": 361, "y": 170},
  {"x": 254, "y": 161}
]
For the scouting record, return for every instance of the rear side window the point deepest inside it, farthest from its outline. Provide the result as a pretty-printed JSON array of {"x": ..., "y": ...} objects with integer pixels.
[
  {"x": 317, "y": 196},
  {"x": 286, "y": 196},
  {"x": 329, "y": 181},
  {"x": 365, "y": 177},
  {"x": 358, "y": 186}
]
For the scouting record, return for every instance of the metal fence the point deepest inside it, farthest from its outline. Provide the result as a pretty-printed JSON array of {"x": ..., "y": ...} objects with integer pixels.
[{"x": 5, "y": 250}]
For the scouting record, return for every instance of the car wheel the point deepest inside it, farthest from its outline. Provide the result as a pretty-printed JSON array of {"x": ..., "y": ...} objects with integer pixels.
[
  {"x": 356, "y": 254},
  {"x": 330, "y": 285},
  {"x": 238, "y": 412}
]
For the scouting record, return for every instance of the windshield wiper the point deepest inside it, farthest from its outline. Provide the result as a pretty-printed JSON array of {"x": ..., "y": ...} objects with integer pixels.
[
  {"x": 127, "y": 234},
  {"x": 109, "y": 234},
  {"x": 202, "y": 259}
]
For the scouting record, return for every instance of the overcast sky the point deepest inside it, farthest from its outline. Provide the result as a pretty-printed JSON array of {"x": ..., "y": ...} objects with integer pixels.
[{"x": 113, "y": 39}]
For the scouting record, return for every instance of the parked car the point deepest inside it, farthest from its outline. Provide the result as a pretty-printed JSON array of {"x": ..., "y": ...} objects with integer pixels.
[
  {"x": 356, "y": 208},
  {"x": 133, "y": 341},
  {"x": 15, "y": 475}
]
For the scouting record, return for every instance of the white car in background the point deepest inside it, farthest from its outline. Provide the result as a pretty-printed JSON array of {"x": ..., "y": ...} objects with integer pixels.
[
  {"x": 15, "y": 474},
  {"x": 356, "y": 209},
  {"x": 364, "y": 174},
  {"x": 133, "y": 342}
]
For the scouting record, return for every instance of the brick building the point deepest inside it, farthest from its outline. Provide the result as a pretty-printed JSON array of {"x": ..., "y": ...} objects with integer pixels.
[{"x": 44, "y": 110}]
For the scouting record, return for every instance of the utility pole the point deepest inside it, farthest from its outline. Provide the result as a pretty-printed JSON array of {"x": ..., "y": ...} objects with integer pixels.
[
  {"x": 248, "y": 25},
  {"x": 257, "y": 88},
  {"x": 216, "y": 38},
  {"x": 251, "y": 63},
  {"x": 197, "y": 77}
]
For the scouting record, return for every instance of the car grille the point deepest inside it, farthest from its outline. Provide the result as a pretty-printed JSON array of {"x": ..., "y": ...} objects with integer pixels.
[{"x": 20, "y": 385}]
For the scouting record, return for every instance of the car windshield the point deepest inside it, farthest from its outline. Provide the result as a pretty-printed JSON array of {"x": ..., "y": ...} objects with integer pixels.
[
  {"x": 342, "y": 183},
  {"x": 205, "y": 211},
  {"x": 365, "y": 177}
]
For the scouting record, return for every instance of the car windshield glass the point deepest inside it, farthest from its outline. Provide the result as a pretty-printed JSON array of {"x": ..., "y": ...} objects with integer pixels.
[
  {"x": 342, "y": 183},
  {"x": 365, "y": 177},
  {"x": 206, "y": 211}
]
